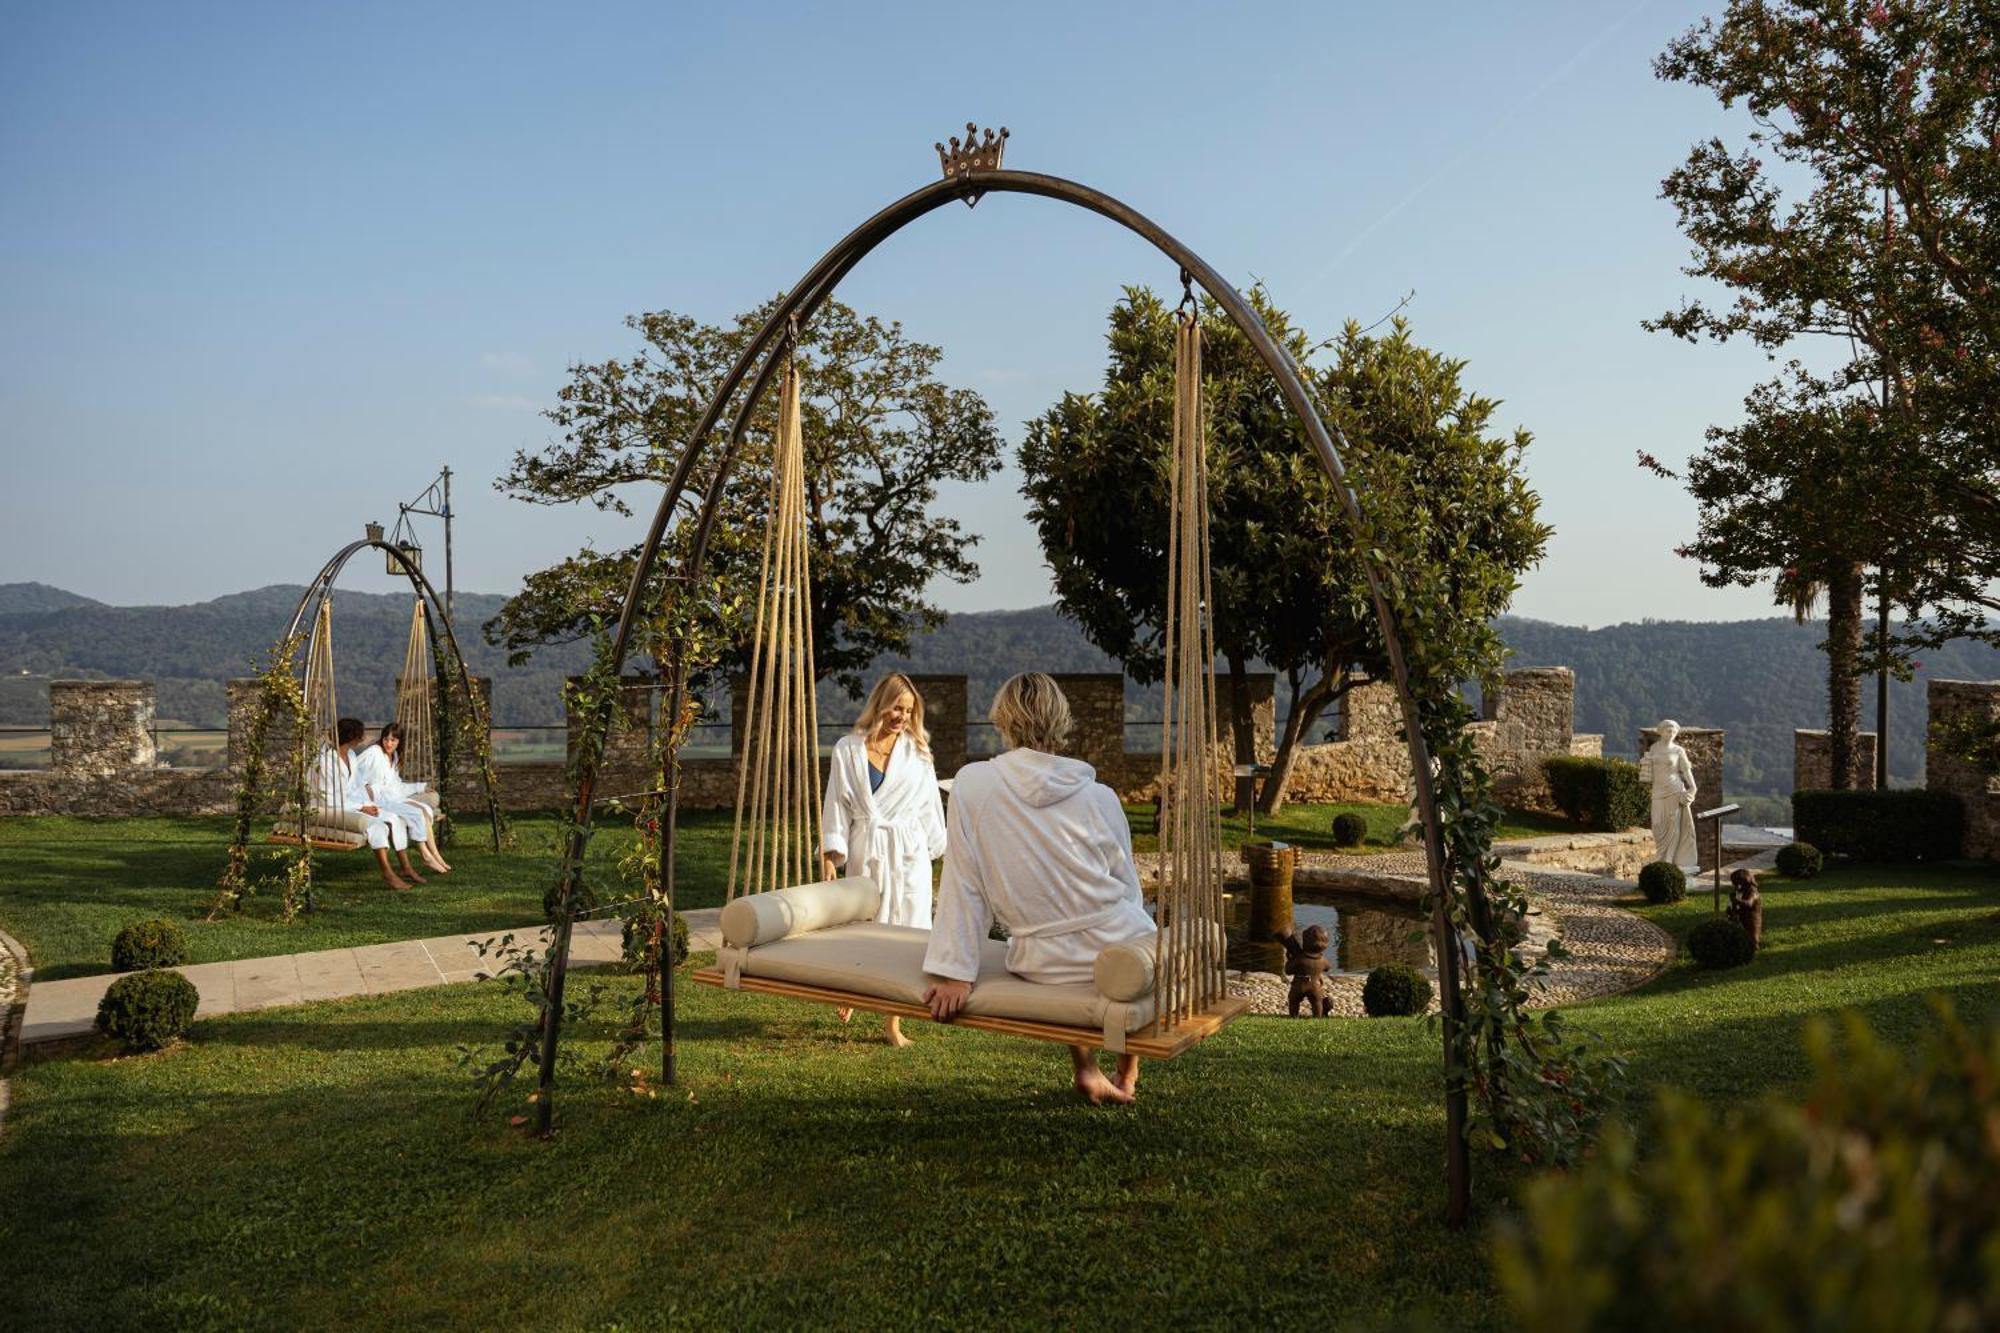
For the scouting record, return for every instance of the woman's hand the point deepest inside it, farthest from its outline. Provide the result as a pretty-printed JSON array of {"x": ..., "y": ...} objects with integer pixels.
[
  {"x": 946, "y": 998},
  {"x": 830, "y": 864}
]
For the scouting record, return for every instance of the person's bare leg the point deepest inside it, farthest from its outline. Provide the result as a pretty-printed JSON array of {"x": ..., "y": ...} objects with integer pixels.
[
  {"x": 428, "y": 849},
  {"x": 1090, "y": 1080},
  {"x": 892, "y": 1031},
  {"x": 389, "y": 875},
  {"x": 410, "y": 871},
  {"x": 845, "y": 1014},
  {"x": 1127, "y": 1077}
]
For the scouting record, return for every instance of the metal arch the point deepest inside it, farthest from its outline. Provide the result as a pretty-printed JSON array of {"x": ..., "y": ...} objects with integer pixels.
[
  {"x": 321, "y": 588},
  {"x": 799, "y": 304}
]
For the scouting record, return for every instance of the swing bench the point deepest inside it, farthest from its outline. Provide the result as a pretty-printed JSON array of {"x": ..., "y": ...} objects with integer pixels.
[{"x": 819, "y": 942}]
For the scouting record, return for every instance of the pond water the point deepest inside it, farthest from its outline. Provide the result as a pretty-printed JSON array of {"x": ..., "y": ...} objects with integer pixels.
[{"x": 1366, "y": 932}]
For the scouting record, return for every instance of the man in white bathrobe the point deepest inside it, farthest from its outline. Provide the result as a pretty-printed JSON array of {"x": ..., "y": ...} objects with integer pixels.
[
  {"x": 337, "y": 791},
  {"x": 1038, "y": 845}
]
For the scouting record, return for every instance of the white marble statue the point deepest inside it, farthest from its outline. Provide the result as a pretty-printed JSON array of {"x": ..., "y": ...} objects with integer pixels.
[{"x": 1668, "y": 775}]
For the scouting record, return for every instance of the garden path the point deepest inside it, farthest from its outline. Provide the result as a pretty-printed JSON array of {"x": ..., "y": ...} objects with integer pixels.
[{"x": 68, "y": 1008}]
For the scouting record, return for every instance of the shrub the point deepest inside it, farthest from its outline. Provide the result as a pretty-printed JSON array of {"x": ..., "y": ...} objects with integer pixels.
[
  {"x": 1897, "y": 825},
  {"x": 1870, "y": 1207},
  {"x": 1394, "y": 990},
  {"x": 1349, "y": 830},
  {"x": 1799, "y": 860},
  {"x": 1719, "y": 943},
  {"x": 1603, "y": 794},
  {"x": 1663, "y": 882},
  {"x": 639, "y": 954},
  {"x": 146, "y": 1010},
  {"x": 149, "y": 944}
]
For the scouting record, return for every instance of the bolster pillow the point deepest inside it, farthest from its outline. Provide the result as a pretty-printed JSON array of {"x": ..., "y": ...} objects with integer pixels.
[
  {"x": 760, "y": 918},
  {"x": 1124, "y": 972}
]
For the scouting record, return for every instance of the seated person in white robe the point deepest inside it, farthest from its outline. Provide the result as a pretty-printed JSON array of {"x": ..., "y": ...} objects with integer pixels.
[
  {"x": 882, "y": 817},
  {"x": 335, "y": 793},
  {"x": 378, "y": 770},
  {"x": 1038, "y": 845}
]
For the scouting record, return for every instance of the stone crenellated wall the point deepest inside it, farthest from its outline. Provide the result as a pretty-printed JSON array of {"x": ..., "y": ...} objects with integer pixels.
[
  {"x": 945, "y": 719},
  {"x": 1812, "y": 761},
  {"x": 1533, "y": 716},
  {"x": 1367, "y": 761},
  {"x": 100, "y": 728},
  {"x": 1976, "y": 701}
]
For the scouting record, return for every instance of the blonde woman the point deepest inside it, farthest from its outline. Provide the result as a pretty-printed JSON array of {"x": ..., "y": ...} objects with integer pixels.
[
  {"x": 883, "y": 817},
  {"x": 1041, "y": 847}
]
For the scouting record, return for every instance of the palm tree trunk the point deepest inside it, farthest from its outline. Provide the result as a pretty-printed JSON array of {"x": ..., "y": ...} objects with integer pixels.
[{"x": 1843, "y": 680}]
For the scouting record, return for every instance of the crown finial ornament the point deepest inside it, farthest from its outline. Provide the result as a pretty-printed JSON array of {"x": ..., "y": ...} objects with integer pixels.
[{"x": 975, "y": 154}]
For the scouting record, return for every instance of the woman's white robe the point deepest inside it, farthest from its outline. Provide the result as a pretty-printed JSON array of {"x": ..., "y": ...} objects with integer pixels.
[
  {"x": 891, "y": 834},
  {"x": 337, "y": 790},
  {"x": 1039, "y": 845},
  {"x": 384, "y": 787}
]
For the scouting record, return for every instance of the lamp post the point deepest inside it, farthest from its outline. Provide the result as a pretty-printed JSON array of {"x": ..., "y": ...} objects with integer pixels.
[{"x": 436, "y": 503}]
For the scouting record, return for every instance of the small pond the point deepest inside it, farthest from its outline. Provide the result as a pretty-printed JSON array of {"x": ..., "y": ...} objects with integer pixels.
[{"x": 1366, "y": 932}]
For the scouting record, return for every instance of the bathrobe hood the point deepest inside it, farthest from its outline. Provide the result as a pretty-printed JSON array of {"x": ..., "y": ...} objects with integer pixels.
[{"x": 1043, "y": 779}]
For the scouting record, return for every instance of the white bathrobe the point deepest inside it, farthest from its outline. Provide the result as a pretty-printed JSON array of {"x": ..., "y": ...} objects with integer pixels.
[
  {"x": 891, "y": 835},
  {"x": 384, "y": 787},
  {"x": 337, "y": 789},
  {"x": 1040, "y": 846}
]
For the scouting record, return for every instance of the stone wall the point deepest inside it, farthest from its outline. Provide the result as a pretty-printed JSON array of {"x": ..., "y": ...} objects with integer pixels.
[
  {"x": 1587, "y": 745},
  {"x": 1367, "y": 761},
  {"x": 1812, "y": 761},
  {"x": 1533, "y": 716},
  {"x": 98, "y": 728},
  {"x": 945, "y": 719},
  {"x": 1977, "y": 701}
]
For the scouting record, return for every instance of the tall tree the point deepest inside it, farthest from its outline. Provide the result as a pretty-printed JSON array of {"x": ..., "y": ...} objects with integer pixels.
[
  {"x": 881, "y": 432},
  {"x": 1289, "y": 581},
  {"x": 1860, "y": 209}
]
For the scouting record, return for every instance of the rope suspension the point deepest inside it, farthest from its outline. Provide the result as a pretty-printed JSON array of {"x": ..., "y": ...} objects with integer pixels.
[
  {"x": 414, "y": 694},
  {"x": 1190, "y": 977},
  {"x": 776, "y": 838},
  {"x": 322, "y": 709}
]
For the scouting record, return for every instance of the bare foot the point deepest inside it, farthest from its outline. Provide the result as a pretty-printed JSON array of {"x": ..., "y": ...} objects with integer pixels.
[
  {"x": 1127, "y": 1078},
  {"x": 845, "y": 1014},
  {"x": 1099, "y": 1090},
  {"x": 435, "y": 862},
  {"x": 394, "y": 882},
  {"x": 410, "y": 873},
  {"x": 892, "y": 1031}
]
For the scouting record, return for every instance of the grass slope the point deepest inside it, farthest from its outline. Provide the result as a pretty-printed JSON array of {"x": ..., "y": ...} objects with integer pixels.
[{"x": 316, "y": 1167}]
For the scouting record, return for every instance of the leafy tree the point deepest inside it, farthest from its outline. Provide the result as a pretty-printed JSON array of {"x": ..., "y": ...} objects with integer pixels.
[
  {"x": 881, "y": 432},
  {"x": 1289, "y": 584},
  {"x": 1860, "y": 209}
]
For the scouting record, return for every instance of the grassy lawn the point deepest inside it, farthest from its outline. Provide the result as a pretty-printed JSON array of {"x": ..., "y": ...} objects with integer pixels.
[
  {"x": 806, "y": 1174},
  {"x": 68, "y": 885},
  {"x": 1310, "y": 825}
]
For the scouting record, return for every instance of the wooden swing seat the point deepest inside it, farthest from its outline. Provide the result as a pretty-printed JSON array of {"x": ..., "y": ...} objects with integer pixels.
[
  {"x": 821, "y": 943},
  {"x": 1148, "y": 1041},
  {"x": 347, "y": 833}
]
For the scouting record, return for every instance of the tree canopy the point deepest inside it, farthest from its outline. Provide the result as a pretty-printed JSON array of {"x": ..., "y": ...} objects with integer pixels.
[
  {"x": 1290, "y": 585},
  {"x": 881, "y": 432}
]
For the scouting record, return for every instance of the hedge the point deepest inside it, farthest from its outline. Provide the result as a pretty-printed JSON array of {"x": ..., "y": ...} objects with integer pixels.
[
  {"x": 1905, "y": 825},
  {"x": 1603, "y": 794}
]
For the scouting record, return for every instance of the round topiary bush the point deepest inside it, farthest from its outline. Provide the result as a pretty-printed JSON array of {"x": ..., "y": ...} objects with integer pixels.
[
  {"x": 1663, "y": 882},
  {"x": 1349, "y": 830},
  {"x": 149, "y": 944},
  {"x": 1800, "y": 860},
  {"x": 1394, "y": 990},
  {"x": 1719, "y": 943},
  {"x": 146, "y": 1010},
  {"x": 636, "y": 953}
]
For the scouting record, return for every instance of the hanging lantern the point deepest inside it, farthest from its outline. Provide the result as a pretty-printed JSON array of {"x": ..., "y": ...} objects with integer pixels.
[{"x": 411, "y": 552}]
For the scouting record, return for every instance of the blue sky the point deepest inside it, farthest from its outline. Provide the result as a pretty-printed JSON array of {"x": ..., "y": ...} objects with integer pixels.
[{"x": 266, "y": 267}]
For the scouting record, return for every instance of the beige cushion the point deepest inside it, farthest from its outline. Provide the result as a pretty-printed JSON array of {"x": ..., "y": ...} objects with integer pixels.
[
  {"x": 761, "y": 918},
  {"x": 887, "y": 962},
  {"x": 1125, "y": 971}
]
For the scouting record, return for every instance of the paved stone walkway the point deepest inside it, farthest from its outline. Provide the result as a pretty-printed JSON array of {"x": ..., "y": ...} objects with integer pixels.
[{"x": 59, "y": 1009}]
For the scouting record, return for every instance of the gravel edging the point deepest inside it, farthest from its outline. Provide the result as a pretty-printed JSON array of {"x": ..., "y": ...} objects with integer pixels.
[{"x": 15, "y": 974}]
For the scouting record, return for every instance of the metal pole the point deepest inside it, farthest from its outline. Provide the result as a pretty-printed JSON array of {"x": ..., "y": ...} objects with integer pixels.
[{"x": 447, "y": 544}]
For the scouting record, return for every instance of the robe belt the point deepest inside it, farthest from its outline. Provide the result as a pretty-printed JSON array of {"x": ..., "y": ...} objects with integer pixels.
[{"x": 1070, "y": 926}]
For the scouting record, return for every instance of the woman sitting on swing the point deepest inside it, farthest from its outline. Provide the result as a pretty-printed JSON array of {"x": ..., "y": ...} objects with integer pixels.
[
  {"x": 882, "y": 816},
  {"x": 378, "y": 771},
  {"x": 1038, "y": 845}
]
